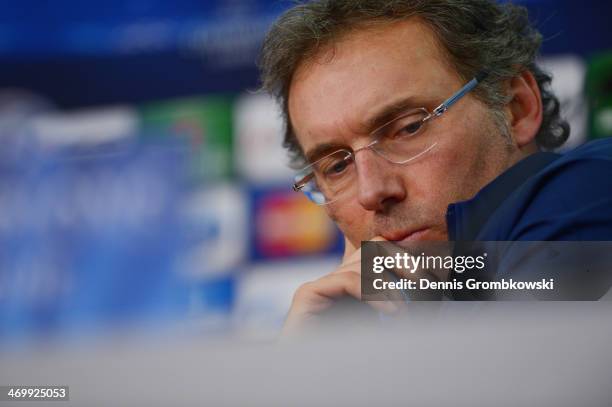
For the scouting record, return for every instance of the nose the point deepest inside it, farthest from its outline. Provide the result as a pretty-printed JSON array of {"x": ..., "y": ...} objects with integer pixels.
[{"x": 379, "y": 184}]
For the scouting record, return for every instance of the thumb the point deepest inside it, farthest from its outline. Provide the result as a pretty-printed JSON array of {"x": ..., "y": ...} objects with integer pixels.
[
  {"x": 352, "y": 253},
  {"x": 349, "y": 248}
]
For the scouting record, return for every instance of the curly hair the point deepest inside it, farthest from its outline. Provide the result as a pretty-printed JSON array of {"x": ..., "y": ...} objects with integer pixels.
[{"x": 476, "y": 34}]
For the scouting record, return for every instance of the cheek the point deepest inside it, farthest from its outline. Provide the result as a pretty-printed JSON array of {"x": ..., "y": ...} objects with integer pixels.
[
  {"x": 436, "y": 176},
  {"x": 437, "y": 182},
  {"x": 450, "y": 168},
  {"x": 354, "y": 221},
  {"x": 464, "y": 164}
]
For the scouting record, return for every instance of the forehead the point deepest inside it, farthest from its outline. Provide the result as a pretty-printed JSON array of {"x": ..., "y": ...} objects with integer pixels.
[{"x": 333, "y": 94}]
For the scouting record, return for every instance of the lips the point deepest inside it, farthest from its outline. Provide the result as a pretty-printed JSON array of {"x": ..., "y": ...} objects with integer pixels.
[{"x": 405, "y": 236}]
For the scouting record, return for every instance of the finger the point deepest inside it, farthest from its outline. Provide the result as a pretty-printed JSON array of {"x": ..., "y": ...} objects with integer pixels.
[
  {"x": 355, "y": 268},
  {"x": 319, "y": 295},
  {"x": 353, "y": 261},
  {"x": 315, "y": 297},
  {"x": 338, "y": 285},
  {"x": 356, "y": 254}
]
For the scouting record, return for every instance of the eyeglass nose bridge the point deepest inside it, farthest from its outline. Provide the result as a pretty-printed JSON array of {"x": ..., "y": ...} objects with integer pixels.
[{"x": 370, "y": 146}]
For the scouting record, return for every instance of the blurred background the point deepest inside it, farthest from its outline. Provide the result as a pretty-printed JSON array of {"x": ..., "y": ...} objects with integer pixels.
[{"x": 142, "y": 181}]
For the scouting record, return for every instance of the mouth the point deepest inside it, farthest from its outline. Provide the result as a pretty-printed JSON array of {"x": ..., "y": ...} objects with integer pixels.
[{"x": 406, "y": 236}]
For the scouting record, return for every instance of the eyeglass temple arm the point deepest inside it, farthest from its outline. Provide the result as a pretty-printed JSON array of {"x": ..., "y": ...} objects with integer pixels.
[
  {"x": 480, "y": 76},
  {"x": 300, "y": 184}
]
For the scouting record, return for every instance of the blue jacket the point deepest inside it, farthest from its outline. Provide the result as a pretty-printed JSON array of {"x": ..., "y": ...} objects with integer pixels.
[
  {"x": 545, "y": 196},
  {"x": 548, "y": 216}
]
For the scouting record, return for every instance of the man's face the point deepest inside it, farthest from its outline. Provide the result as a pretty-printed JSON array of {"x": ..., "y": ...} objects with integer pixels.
[{"x": 335, "y": 94}]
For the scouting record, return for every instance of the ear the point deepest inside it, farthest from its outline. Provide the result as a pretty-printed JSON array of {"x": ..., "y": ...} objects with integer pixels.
[{"x": 525, "y": 109}]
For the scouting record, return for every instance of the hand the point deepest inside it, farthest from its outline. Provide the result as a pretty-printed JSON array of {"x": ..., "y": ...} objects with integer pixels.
[{"x": 312, "y": 298}]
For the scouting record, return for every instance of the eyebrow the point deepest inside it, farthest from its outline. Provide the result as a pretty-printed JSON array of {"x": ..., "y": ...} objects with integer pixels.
[
  {"x": 383, "y": 116},
  {"x": 323, "y": 149}
]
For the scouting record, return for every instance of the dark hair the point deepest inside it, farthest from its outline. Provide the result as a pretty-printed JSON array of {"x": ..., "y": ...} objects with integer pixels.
[{"x": 476, "y": 34}]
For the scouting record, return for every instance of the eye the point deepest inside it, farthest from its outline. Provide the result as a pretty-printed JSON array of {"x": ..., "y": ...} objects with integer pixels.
[
  {"x": 409, "y": 129},
  {"x": 336, "y": 167},
  {"x": 405, "y": 126},
  {"x": 413, "y": 127}
]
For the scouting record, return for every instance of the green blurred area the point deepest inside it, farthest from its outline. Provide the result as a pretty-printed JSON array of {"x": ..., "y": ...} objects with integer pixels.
[
  {"x": 599, "y": 95},
  {"x": 206, "y": 125}
]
